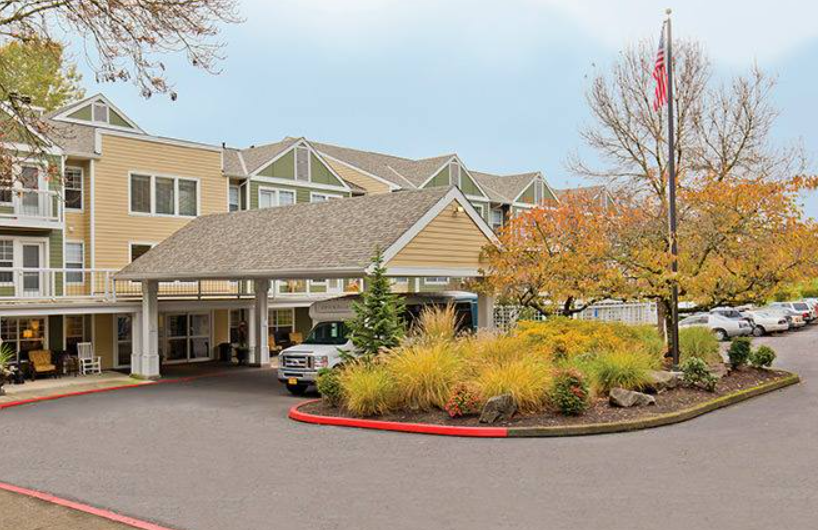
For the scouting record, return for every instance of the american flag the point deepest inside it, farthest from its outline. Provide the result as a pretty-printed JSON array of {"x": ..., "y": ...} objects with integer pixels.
[{"x": 660, "y": 74}]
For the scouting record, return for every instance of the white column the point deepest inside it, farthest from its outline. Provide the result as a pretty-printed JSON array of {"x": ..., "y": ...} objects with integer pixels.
[
  {"x": 251, "y": 334},
  {"x": 485, "y": 311},
  {"x": 136, "y": 337},
  {"x": 148, "y": 362},
  {"x": 261, "y": 353}
]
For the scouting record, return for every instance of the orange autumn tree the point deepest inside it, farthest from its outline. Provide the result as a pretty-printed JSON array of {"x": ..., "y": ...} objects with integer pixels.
[{"x": 555, "y": 259}]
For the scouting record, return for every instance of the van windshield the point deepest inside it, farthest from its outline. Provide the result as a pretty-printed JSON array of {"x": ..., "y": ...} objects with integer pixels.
[{"x": 334, "y": 333}]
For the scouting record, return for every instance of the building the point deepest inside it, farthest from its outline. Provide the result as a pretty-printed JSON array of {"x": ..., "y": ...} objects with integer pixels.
[{"x": 123, "y": 190}]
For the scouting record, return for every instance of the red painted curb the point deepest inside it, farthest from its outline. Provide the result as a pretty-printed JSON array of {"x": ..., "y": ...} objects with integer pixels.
[
  {"x": 108, "y": 389},
  {"x": 418, "y": 428},
  {"x": 98, "y": 512}
]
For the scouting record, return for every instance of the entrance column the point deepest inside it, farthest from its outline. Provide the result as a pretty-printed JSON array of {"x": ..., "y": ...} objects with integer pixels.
[
  {"x": 146, "y": 363},
  {"x": 260, "y": 323},
  {"x": 485, "y": 311}
]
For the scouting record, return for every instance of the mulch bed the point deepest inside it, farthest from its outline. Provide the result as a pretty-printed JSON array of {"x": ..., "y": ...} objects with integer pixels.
[{"x": 600, "y": 411}]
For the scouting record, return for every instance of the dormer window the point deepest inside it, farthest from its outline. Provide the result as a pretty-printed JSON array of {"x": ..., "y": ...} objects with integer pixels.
[
  {"x": 454, "y": 174},
  {"x": 302, "y": 163},
  {"x": 100, "y": 113}
]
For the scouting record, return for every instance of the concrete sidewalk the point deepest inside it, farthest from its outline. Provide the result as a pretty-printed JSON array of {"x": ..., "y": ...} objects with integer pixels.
[
  {"x": 19, "y": 512},
  {"x": 64, "y": 385}
]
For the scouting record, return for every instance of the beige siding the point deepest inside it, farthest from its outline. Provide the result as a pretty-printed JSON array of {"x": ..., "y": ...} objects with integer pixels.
[
  {"x": 221, "y": 328},
  {"x": 353, "y": 176},
  {"x": 78, "y": 224},
  {"x": 451, "y": 240},
  {"x": 103, "y": 339},
  {"x": 115, "y": 227}
]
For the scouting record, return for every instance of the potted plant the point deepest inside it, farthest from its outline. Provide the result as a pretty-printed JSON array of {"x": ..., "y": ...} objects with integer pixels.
[{"x": 6, "y": 357}]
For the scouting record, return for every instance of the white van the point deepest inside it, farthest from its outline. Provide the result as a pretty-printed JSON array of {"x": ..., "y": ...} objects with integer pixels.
[{"x": 298, "y": 365}]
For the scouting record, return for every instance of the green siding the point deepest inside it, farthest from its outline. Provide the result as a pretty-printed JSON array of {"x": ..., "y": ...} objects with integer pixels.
[
  {"x": 7, "y": 290},
  {"x": 468, "y": 186},
  {"x": 56, "y": 257},
  {"x": 321, "y": 174},
  {"x": 82, "y": 114},
  {"x": 283, "y": 168},
  {"x": 117, "y": 120},
  {"x": 528, "y": 195},
  {"x": 303, "y": 322},
  {"x": 302, "y": 194},
  {"x": 441, "y": 179},
  {"x": 55, "y": 332}
]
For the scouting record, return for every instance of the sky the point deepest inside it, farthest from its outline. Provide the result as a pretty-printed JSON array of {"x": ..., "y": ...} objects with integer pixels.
[{"x": 500, "y": 83}]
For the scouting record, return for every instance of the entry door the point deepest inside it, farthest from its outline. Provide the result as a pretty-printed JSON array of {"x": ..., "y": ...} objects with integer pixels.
[
  {"x": 32, "y": 261},
  {"x": 30, "y": 180}
]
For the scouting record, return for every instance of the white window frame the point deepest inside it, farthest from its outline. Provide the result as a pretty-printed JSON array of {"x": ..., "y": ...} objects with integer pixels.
[
  {"x": 81, "y": 262},
  {"x": 176, "y": 179},
  {"x": 480, "y": 209},
  {"x": 494, "y": 225},
  {"x": 327, "y": 196},
  {"x": 437, "y": 280},
  {"x": 277, "y": 193},
  {"x": 230, "y": 188},
  {"x": 138, "y": 243},
  {"x": 19, "y": 338},
  {"x": 101, "y": 105},
  {"x": 81, "y": 189},
  {"x": 13, "y": 256}
]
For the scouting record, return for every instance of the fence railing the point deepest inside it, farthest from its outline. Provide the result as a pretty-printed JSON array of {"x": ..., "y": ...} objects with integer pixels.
[
  {"x": 23, "y": 204},
  {"x": 506, "y": 316}
]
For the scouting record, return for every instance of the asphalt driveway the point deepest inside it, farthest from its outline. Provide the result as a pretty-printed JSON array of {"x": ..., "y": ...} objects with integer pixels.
[{"x": 220, "y": 454}]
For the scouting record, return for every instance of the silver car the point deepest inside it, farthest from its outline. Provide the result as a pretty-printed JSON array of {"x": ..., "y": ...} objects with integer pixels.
[{"x": 723, "y": 328}]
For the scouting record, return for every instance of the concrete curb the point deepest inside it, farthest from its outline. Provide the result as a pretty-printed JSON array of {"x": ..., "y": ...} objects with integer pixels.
[
  {"x": 139, "y": 384},
  {"x": 80, "y": 507},
  {"x": 545, "y": 432}
]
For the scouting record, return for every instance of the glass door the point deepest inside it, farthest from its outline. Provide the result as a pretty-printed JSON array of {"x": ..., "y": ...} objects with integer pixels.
[
  {"x": 187, "y": 337},
  {"x": 32, "y": 256},
  {"x": 124, "y": 340}
]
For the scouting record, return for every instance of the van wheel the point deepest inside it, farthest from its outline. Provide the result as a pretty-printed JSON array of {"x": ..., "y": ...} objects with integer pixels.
[
  {"x": 758, "y": 331},
  {"x": 297, "y": 390},
  {"x": 721, "y": 335}
]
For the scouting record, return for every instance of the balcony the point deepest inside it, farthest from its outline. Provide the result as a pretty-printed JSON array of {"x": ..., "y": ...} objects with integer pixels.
[
  {"x": 36, "y": 284},
  {"x": 30, "y": 208}
]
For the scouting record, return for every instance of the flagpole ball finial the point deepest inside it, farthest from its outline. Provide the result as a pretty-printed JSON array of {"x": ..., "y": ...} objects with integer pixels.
[{"x": 668, "y": 11}]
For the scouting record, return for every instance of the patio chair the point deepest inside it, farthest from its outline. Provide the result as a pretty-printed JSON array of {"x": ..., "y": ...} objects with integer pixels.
[
  {"x": 89, "y": 364},
  {"x": 296, "y": 337},
  {"x": 41, "y": 363}
]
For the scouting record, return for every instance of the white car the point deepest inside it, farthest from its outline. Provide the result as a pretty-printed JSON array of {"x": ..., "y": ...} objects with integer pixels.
[
  {"x": 767, "y": 321},
  {"x": 724, "y": 328},
  {"x": 803, "y": 308},
  {"x": 794, "y": 318}
]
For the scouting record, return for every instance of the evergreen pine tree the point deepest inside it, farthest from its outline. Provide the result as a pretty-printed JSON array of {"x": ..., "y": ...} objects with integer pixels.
[{"x": 378, "y": 322}]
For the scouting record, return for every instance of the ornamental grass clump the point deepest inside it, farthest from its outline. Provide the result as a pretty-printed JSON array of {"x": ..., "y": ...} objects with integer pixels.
[
  {"x": 436, "y": 324},
  {"x": 699, "y": 342},
  {"x": 762, "y": 357},
  {"x": 569, "y": 393},
  {"x": 424, "y": 374},
  {"x": 624, "y": 369},
  {"x": 527, "y": 378},
  {"x": 739, "y": 352},
  {"x": 368, "y": 388}
]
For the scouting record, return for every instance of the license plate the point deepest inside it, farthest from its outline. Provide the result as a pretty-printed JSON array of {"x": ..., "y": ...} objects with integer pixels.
[{"x": 292, "y": 381}]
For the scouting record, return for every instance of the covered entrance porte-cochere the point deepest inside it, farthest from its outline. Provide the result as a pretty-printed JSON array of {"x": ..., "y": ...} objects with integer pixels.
[{"x": 426, "y": 233}]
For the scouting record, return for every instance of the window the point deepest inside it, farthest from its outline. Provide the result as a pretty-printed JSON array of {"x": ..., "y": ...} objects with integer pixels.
[
  {"x": 282, "y": 320},
  {"x": 73, "y": 188},
  {"x": 74, "y": 332},
  {"x": 238, "y": 326},
  {"x": 5, "y": 186},
  {"x": 323, "y": 197},
  {"x": 124, "y": 339},
  {"x": 140, "y": 193},
  {"x": 23, "y": 334},
  {"x": 454, "y": 174},
  {"x": 538, "y": 191},
  {"x": 437, "y": 280},
  {"x": 292, "y": 286},
  {"x": 74, "y": 259},
  {"x": 164, "y": 196},
  {"x": 270, "y": 197},
  {"x": 187, "y": 337},
  {"x": 234, "y": 198},
  {"x": 30, "y": 177},
  {"x": 6, "y": 260},
  {"x": 479, "y": 208},
  {"x": 100, "y": 112},
  {"x": 496, "y": 219},
  {"x": 188, "y": 198},
  {"x": 302, "y": 163},
  {"x": 137, "y": 249}
]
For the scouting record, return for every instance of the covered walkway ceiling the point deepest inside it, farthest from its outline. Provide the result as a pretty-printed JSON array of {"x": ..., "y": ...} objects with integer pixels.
[{"x": 433, "y": 232}]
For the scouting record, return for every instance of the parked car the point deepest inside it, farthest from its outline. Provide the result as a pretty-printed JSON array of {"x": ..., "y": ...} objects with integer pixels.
[
  {"x": 723, "y": 327},
  {"x": 730, "y": 312},
  {"x": 765, "y": 322},
  {"x": 794, "y": 318},
  {"x": 806, "y": 311}
]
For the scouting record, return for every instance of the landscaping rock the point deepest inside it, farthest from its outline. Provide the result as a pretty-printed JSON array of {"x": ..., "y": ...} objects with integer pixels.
[
  {"x": 661, "y": 381},
  {"x": 498, "y": 408},
  {"x": 619, "y": 397},
  {"x": 720, "y": 370}
]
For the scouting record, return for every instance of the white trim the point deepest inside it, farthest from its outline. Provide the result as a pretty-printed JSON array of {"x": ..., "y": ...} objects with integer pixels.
[
  {"x": 438, "y": 170},
  {"x": 462, "y": 168},
  {"x": 425, "y": 272},
  {"x": 300, "y": 142},
  {"x": 65, "y": 243},
  {"x": 140, "y": 243},
  {"x": 277, "y": 196},
  {"x": 176, "y": 178},
  {"x": 93, "y": 220},
  {"x": 298, "y": 183},
  {"x": 427, "y": 280},
  {"x": 327, "y": 195},
  {"x": 91, "y": 100},
  {"x": 392, "y": 185},
  {"x": 115, "y": 339},
  {"x": 153, "y": 139},
  {"x": 81, "y": 209},
  {"x": 453, "y": 195}
]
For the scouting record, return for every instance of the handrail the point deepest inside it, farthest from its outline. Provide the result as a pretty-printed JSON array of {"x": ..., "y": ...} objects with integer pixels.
[{"x": 29, "y": 203}]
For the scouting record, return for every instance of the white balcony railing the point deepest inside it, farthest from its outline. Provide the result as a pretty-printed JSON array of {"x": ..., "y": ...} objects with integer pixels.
[
  {"x": 28, "y": 206},
  {"x": 30, "y": 283}
]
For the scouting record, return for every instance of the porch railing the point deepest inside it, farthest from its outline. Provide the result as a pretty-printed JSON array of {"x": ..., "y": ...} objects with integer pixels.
[{"x": 30, "y": 204}]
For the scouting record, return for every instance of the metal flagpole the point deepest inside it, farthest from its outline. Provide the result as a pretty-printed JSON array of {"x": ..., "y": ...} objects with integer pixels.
[{"x": 674, "y": 250}]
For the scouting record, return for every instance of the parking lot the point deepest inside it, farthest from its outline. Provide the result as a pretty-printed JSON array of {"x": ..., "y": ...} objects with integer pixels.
[{"x": 220, "y": 453}]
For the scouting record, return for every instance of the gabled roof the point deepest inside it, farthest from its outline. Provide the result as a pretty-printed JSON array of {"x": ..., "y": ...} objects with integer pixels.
[
  {"x": 63, "y": 114},
  {"x": 257, "y": 156},
  {"x": 329, "y": 239},
  {"x": 504, "y": 188},
  {"x": 597, "y": 192},
  {"x": 378, "y": 164}
]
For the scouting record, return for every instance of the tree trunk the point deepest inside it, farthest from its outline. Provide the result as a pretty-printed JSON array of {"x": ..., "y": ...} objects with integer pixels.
[{"x": 662, "y": 315}]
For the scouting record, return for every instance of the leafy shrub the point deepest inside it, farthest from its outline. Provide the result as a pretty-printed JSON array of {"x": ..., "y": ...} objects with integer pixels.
[
  {"x": 569, "y": 393},
  {"x": 424, "y": 374},
  {"x": 739, "y": 351},
  {"x": 629, "y": 370},
  {"x": 437, "y": 324},
  {"x": 526, "y": 378},
  {"x": 464, "y": 400},
  {"x": 762, "y": 357},
  {"x": 699, "y": 342},
  {"x": 695, "y": 371},
  {"x": 368, "y": 388},
  {"x": 329, "y": 386}
]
